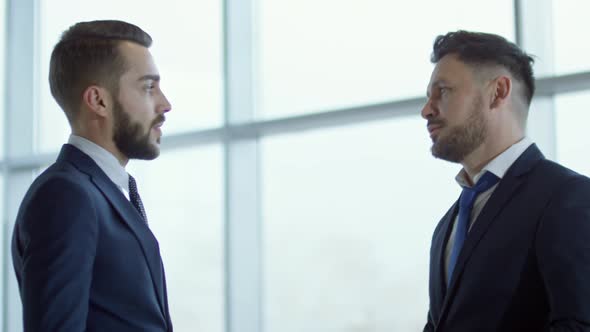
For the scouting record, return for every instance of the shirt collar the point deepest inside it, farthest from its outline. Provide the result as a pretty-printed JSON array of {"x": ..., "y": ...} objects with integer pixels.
[
  {"x": 499, "y": 165},
  {"x": 107, "y": 162}
]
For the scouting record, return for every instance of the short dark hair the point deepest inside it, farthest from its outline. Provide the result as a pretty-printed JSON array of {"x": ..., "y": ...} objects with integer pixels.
[
  {"x": 477, "y": 48},
  {"x": 88, "y": 53}
]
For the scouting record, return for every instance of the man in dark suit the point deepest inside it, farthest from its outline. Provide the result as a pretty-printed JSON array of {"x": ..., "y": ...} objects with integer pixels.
[
  {"x": 83, "y": 253},
  {"x": 513, "y": 253}
]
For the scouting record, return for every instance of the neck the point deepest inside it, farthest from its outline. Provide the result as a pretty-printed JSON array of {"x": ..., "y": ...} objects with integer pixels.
[
  {"x": 104, "y": 143},
  {"x": 485, "y": 153}
]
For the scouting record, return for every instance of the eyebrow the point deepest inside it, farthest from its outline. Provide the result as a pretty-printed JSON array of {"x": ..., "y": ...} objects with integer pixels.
[{"x": 149, "y": 77}]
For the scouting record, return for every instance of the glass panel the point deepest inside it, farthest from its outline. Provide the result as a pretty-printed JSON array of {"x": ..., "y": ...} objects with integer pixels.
[
  {"x": 571, "y": 18},
  {"x": 3, "y": 213},
  {"x": 187, "y": 50},
  {"x": 2, "y": 78},
  {"x": 321, "y": 55},
  {"x": 572, "y": 118},
  {"x": 183, "y": 195},
  {"x": 348, "y": 218}
]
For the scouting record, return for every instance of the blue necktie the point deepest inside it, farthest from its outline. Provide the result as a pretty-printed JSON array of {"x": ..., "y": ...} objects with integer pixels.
[
  {"x": 135, "y": 199},
  {"x": 466, "y": 201}
]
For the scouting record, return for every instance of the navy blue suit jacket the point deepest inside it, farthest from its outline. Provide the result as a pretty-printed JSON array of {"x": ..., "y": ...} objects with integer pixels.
[
  {"x": 525, "y": 265},
  {"x": 84, "y": 258}
]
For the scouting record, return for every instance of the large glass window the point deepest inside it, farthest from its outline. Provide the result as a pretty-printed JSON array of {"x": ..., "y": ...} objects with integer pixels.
[
  {"x": 3, "y": 213},
  {"x": 2, "y": 77},
  {"x": 183, "y": 196},
  {"x": 348, "y": 218},
  {"x": 570, "y": 19},
  {"x": 5, "y": 268},
  {"x": 187, "y": 50},
  {"x": 348, "y": 212},
  {"x": 572, "y": 118},
  {"x": 322, "y": 55}
]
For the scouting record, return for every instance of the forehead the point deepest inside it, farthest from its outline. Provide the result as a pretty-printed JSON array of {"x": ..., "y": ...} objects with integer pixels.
[
  {"x": 138, "y": 60},
  {"x": 451, "y": 69}
]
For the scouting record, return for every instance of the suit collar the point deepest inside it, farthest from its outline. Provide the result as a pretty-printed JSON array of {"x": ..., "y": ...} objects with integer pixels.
[
  {"x": 503, "y": 193},
  {"x": 107, "y": 162},
  {"x": 499, "y": 165},
  {"x": 527, "y": 160},
  {"x": 129, "y": 215}
]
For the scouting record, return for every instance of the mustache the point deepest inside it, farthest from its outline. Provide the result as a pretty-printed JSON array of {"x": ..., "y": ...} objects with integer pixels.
[
  {"x": 159, "y": 119},
  {"x": 436, "y": 122}
]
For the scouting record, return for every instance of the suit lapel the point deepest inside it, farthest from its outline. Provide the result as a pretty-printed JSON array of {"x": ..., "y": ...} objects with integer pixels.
[
  {"x": 128, "y": 213},
  {"x": 507, "y": 187},
  {"x": 438, "y": 276},
  {"x": 138, "y": 227}
]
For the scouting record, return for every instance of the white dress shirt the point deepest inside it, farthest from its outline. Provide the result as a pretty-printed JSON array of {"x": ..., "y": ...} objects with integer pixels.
[{"x": 107, "y": 162}]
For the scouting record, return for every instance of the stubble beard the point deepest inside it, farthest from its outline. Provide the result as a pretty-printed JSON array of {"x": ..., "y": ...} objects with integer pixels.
[
  {"x": 131, "y": 138},
  {"x": 461, "y": 140}
]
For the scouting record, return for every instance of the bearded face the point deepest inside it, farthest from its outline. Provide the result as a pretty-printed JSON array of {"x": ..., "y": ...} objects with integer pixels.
[
  {"x": 455, "y": 142},
  {"x": 134, "y": 139}
]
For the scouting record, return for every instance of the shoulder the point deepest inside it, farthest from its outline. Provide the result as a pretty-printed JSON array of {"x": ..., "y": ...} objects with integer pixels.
[
  {"x": 60, "y": 205},
  {"x": 61, "y": 190},
  {"x": 60, "y": 179},
  {"x": 556, "y": 169},
  {"x": 560, "y": 180}
]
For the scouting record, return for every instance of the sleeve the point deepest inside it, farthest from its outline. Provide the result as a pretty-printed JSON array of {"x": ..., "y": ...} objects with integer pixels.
[
  {"x": 58, "y": 232},
  {"x": 563, "y": 254}
]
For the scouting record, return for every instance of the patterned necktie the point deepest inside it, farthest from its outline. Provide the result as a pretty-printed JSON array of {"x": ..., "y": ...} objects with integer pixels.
[
  {"x": 135, "y": 199},
  {"x": 466, "y": 201}
]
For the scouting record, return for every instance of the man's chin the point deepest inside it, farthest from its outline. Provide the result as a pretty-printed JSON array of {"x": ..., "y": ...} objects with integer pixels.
[
  {"x": 147, "y": 152},
  {"x": 151, "y": 156},
  {"x": 154, "y": 151},
  {"x": 443, "y": 152}
]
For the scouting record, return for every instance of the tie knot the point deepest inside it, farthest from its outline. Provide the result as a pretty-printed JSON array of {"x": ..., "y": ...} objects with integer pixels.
[
  {"x": 487, "y": 180},
  {"x": 469, "y": 194}
]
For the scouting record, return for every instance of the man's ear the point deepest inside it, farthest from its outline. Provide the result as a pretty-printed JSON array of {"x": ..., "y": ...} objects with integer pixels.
[
  {"x": 501, "y": 90},
  {"x": 97, "y": 100}
]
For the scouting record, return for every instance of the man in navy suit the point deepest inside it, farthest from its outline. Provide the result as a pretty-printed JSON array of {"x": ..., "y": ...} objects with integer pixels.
[
  {"x": 513, "y": 253},
  {"x": 83, "y": 253}
]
